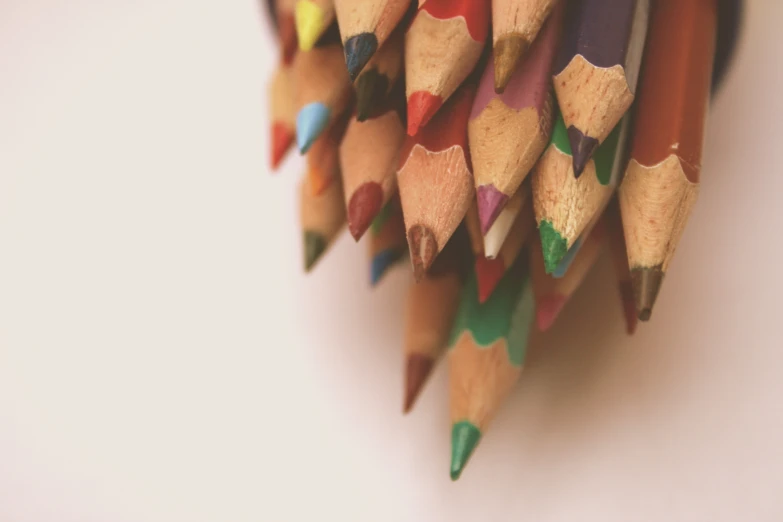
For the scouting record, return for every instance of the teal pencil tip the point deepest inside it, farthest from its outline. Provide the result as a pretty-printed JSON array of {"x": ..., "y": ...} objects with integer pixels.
[
  {"x": 310, "y": 124},
  {"x": 553, "y": 245},
  {"x": 465, "y": 437}
]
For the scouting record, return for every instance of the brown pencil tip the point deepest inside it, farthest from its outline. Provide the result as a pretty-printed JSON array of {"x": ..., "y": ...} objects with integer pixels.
[
  {"x": 364, "y": 205},
  {"x": 417, "y": 369},
  {"x": 424, "y": 248},
  {"x": 646, "y": 285},
  {"x": 508, "y": 51}
]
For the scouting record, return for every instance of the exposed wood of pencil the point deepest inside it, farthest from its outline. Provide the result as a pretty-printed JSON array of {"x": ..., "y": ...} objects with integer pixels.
[
  {"x": 282, "y": 109},
  {"x": 442, "y": 47},
  {"x": 661, "y": 182},
  {"x": 379, "y": 17},
  {"x": 368, "y": 160},
  {"x": 320, "y": 77},
  {"x": 322, "y": 216},
  {"x": 436, "y": 181},
  {"x": 515, "y": 25},
  {"x": 553, "y": 293},
  {"x": 596, "y": 73},
  {"x": 389, "y": 233}
]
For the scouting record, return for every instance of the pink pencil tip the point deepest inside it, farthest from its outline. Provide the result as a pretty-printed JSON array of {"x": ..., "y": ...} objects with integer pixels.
[
  {"x": 422, "y": 106},
  {"x": 547, "y": 310},
  {"x": 490, "y": 202}
]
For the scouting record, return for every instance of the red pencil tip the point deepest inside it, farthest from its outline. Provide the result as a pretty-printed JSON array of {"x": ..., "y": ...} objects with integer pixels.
[
  {"x": 422, "y": 106},
  {"x": 547, "y": 310},
  {"x": 364, "y": 205},
  {"x": 489, "y": 272},
  {"x": 282, "y": 139}
]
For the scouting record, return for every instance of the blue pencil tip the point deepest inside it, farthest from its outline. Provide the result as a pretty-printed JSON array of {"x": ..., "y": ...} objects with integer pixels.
[
  {"x": 310, "y": 123},
  {"x": 381, "y": 264}
]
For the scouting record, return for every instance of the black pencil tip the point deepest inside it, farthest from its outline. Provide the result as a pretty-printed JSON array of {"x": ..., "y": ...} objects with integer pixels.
[{"x": 582, "y": 149}]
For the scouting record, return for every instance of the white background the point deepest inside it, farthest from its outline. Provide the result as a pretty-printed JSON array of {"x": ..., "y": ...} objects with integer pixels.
[{"x": 162, "y": 357}]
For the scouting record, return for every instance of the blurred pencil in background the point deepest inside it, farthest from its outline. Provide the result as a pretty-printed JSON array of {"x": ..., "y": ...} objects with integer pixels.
[
  {"x": 388, "y": 245},
  {"x": 322, "y": 216},
  {"x": 313, "y": 19},
  {"x": 282, "y": 110},
  {"x": 375, "y": 83}
]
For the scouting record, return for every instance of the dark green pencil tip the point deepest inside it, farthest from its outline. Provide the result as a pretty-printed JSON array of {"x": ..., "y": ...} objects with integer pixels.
[
  {"x": 554, "y": 246},
  {"x": 314, "y": 247},
  {"x": 371, "y": 89},
  {"x": 646, "y": 285},
  {"x": 464, "y": 439}
]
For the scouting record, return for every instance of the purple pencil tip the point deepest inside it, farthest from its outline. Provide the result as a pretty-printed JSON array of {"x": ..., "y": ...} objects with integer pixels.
[{"x": 490, "y": 202}]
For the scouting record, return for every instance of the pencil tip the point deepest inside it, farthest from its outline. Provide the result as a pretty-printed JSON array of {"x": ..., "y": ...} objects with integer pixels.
[
  {"x": 364, "y": 205},
  {"x": 547, "y": 311},
  {"x": 508, "y": 51},
  {"x": 282, "y": 139},
  {"x": 309, "y": 23},
  {"x": 646, "y": 285},
  {"x": 358, "y": 51},
  {"x": 489, "y": 272},
  {"x": 310, "y": 123},
  {"x": 382, "y": 262},
  {"x": 465, "y": 437},
  {"x": 424, "y": 248},
  {"x": 417, "y": 369},
  {"x": 629, "y": 307},
  {"x": 553, "y": 245},
  {"x": 582, "y": 149},
  {"x": 314, "y": 247},
  {"x": 422, "y": 106},
  {"x": 490, "y": 203},
  {"x": 370, "y": 89}
]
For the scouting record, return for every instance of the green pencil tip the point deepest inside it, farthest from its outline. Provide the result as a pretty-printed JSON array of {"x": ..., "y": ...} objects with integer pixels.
[
  {"x": 464, "y": 439},
  {"x": 554, "y": 246},
  {"x": 314, "y": 247}
]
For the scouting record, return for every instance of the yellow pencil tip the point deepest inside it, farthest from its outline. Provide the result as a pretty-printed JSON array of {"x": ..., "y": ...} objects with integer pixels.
[{"x": 309, "y": 24}]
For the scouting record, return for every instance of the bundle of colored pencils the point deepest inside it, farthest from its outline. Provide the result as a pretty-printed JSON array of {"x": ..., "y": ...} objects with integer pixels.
[{"x": 454, "y": 129}]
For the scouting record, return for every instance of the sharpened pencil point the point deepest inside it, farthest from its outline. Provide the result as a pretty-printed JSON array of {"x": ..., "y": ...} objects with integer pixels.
[
  {"x": 424, "y": 248},
  {"x": 553, "y": 245},
  {"x": 489, "y": 272},
  {"x": 465, "y": 437},
  {"x": 358, "y": 51},
  {"x": 508, "y": 51},
  {"x": 582, "y": 149},
  {"x": 310, "y": 124},
  {"x": 282, "y": 139},
  {"x": 422, "y": 106},
  {"x": 382, "y": 262},
  {"x": 490, "y": 203},
  {"x": 417, "y": 369},
  {"x": 371, "y": 88},
  {"x": 309, "y": 23},
  {"x": 646, "y": 285},
  {"x": 364, "y": 205},
  {"x": 547, "y": 311},
  {"x": 314, "y": 247}
]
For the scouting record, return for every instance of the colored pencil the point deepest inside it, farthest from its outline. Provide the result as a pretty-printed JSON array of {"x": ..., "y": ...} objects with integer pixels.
[
  {"x": 376, "y": 82},
  {"x": 566, "y": 205},
  {"x": 282, "y": 108},
  {"x": 486, "y": 352},
  {"x": 662, "y": 179},
  {"x": 552, "y": 293},
  {"x": 388, "y": 244},
  {"x": 499, "y": 231},
  {"x": 313, "y": 18},
  {"x": 323, "y": 161},
  {"x": 322, "y": 216},
  {"x": 597, "y": 69},
  {"x": 508, "y": 132},
  {"x": 515, "y": 25},
  {"x": 616, "y": 239},
  {"x": 286, "y": 29},
  {"x": 435, "y": 180},
  {"x": 323, "y": 92},
  {"x": 431, "y": 307},
  {"x": 368, "y": 160},
  {"x": 512, "y": 234},
  {"x": 442, "y": 46},
  {"x": 365, "y": 25}
]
